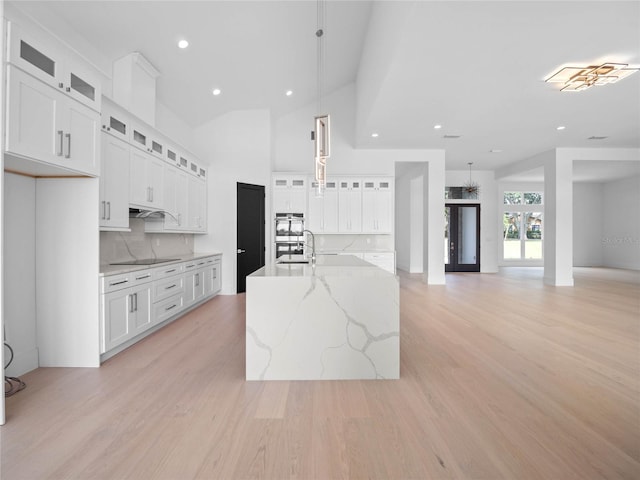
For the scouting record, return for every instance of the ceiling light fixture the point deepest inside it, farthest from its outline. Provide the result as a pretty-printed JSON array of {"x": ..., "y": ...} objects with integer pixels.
[
  {"x": 216, "y": 91},
  {"x": 561, "y": 127},
  {"x": 183, "y": 43},
  {"x": 495, "y": 150},
  {"x": 321, "y": 134},
  {"x": 577, "y": 79},
  {"x": 437, "y": 127},
  {"x": 289, "y": 93},
  {"x": 374, "y": 135}
]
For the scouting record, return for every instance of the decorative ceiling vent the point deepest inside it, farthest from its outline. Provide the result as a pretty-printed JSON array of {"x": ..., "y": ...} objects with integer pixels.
[
  {"x": 595, "y": 137},
  {"x": 451, "y": 136}
]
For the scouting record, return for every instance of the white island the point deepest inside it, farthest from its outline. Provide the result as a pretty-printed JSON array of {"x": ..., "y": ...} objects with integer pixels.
[{"x": 338, "y": 319}]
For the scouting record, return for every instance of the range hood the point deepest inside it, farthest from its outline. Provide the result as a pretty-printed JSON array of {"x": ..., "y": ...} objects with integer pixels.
[{"x": 151, "y": 214}]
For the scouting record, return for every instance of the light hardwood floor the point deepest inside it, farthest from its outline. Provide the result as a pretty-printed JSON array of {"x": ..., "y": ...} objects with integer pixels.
[{"x": 501, "y": 377}]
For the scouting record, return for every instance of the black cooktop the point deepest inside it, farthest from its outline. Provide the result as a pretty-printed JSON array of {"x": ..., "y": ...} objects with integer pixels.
[{"x": 145, "y": 261}]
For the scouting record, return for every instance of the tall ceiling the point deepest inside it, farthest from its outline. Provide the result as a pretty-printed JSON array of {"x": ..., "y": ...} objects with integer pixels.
[{"x": 477, "y": 68}]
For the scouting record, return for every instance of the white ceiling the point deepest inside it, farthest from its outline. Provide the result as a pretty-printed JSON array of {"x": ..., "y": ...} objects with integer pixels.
[{"x": 475, "y": 67}]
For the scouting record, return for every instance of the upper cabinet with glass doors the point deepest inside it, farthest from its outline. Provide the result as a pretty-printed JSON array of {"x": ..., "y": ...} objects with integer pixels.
[{"x": 55, "y": 67}]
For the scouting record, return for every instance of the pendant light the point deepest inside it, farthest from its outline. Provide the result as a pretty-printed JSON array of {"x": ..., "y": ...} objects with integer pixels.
[{"x": 321, "y": 133}]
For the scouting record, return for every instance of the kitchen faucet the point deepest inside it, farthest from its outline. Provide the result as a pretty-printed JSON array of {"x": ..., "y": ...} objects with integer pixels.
[{"x": 313, "y": 246}]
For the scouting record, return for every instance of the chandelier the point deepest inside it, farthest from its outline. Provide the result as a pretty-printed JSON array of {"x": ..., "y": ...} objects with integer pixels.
[{"x": 577, "y": 79}]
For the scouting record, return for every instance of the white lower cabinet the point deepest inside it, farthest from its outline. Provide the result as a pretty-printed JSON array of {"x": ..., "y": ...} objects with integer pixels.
[
  {"x": 132, "y": 303},
  {"x": 125, "y": 314}
]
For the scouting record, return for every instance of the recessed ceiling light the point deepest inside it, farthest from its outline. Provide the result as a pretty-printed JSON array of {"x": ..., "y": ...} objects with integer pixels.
[
  {"x": 495, "y": 150},
  {"x": 289, "y": 93},
  {"x": 374, "y": 135},
  {"x": 596, "y": 137},
  {"x": 217, "y": 91},
  {"x": 183, "y": 43},
  {"x": 561, "y": 127},
  {"x": 451, "y": 136},
  {"x": 437, "y": 127}
]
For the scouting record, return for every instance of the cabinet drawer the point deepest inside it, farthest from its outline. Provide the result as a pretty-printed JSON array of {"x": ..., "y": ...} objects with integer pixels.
[
  {"x": 112, "y": 283},
  {"x": 168, "y": 308},
  {"x": 168, "y": 287},
  {"x": 168, "y": 271}
]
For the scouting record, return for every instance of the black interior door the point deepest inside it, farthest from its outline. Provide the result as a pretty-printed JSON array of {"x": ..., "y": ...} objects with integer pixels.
[
  {"x": 462, "y": 238},
  {"x": 250, "y": 232}
]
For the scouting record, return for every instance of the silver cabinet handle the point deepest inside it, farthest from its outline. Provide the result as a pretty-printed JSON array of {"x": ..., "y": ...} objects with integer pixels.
[
  {"x": 171, "y": 286},
  {"x": 136, "y": 298},
  {"x": 151, "y": 188},
  {"x": 111, "y": 284},
  {"x": 197, "y": 279},
  {"x": 60, "y": 132},
  {"x": 131, "y": 303},
  {"x": 171, "y": 307},
  {"x": 240, "y": 250},
  {"x": 68, "y": 137},
  {"x": 109, "y": 210},
  {"x": 103, "y": 216},
  {"x": 142, "y": 277}
]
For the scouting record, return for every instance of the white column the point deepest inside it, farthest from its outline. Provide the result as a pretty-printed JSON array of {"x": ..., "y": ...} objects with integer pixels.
[
  {"x": 558, "y": 222},
  {"x": 434, "y": 225}
]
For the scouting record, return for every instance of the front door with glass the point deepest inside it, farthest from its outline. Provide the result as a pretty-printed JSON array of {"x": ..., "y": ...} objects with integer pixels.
[{"x": 462, "y": 238}]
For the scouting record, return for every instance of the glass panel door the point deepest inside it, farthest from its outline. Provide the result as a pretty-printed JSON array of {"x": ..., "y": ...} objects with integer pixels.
[{"x": 462, "y": 238}]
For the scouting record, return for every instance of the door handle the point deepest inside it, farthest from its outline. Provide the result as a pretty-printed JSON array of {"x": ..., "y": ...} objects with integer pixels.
[
  {"x": 109, "y": 210},
  {"x": 453, "y": 246},
  {"x": 240, "y": 250}
]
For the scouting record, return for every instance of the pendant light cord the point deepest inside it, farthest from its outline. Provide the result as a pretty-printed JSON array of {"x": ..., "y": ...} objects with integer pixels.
[{"x": 320, "y": 14}]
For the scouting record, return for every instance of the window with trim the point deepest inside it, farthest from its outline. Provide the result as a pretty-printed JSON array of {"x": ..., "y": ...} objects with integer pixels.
[{"x": 522, "y": 225}]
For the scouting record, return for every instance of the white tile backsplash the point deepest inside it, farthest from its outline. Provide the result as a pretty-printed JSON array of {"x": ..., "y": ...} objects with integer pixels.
[{"x": 353, "y": 243}]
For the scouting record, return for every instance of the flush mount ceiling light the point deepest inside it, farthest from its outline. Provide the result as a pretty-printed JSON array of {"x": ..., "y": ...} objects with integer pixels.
[
  {"x": 437, "y": 127},
  {"x": 374, "y": 135},
  {"x": 577, "y": 79},
  {"x": 216, "y": 91},
  {"x": 561, "y": 127},
  {"x": 288, "y": 93},
  {"x": 183, "y": 43}
]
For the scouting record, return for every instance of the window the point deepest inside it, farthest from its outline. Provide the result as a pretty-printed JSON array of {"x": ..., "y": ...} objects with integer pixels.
[{"x": 522, "y": 225}]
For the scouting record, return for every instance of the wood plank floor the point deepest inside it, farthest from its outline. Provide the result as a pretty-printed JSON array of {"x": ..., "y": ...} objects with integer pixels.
[{"x": 501, "y": 378}]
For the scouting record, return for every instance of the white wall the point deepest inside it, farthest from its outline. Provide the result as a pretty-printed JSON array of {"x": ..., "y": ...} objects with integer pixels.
[
  {"x": 621, "y": 224},
  {"x": 409, "y": 215},
  {"x": 238, "y": 147},
  {"x": 20, "y": 272},
  {"x": 587, "y": 224}
]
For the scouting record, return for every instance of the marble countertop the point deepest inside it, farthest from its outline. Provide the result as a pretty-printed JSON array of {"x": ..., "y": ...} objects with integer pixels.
[
  {"x": 107, "y": 269},
  {"x": 326, "y": 265}
]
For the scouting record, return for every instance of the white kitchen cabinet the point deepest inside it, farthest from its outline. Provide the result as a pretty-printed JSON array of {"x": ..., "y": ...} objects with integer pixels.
[
  {"x": 212, "y": 276},
  {"x": 54, "y": 67},
  {"x": 175, "y": 199},
  {"x": 46, "y": 125},
  {"x": 115, "y": 121},
  {"x": 289, "y": 193},
  {"x": 126, "y": 313},
  {"x": 194, "y": 279},
  {"x": 114, "y": 184},
  {"x": 197, "y": 205},
  {"x": 349, "y": 205},
  {"x": 377, "y": 205},
  {"x": 147, "y": 139},
  {"x": 322, "y": 214},
  {"x": 147, "y": 180}
]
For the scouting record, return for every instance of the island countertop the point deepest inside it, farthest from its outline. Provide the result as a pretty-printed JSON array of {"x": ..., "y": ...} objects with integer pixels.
[
  {"x": 347, "y": 265},
  {"x": 336, "y": 320}
]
